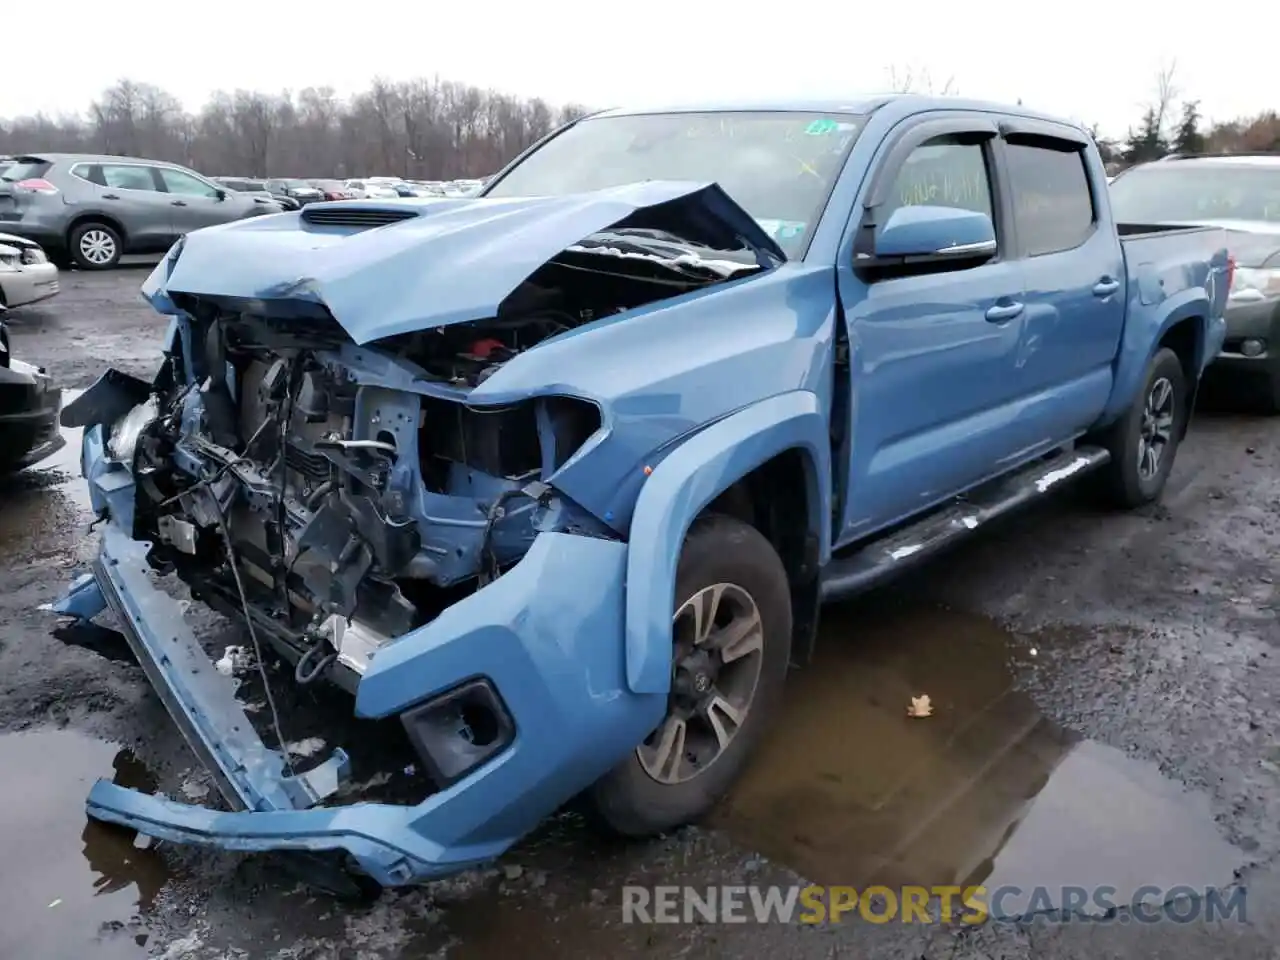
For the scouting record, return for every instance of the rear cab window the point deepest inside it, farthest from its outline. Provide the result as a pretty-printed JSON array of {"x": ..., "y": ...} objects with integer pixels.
[{"x": 1053, "y": 204}]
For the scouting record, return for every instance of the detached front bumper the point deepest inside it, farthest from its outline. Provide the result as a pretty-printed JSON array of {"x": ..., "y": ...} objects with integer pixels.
[{"x": 547, "y": 637}]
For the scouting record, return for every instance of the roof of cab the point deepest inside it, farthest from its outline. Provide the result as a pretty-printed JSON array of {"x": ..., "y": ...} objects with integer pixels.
[{"x": 854, "y": 104}]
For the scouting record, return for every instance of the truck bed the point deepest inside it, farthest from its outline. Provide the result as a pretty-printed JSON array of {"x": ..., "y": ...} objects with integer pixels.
[{"x": 1130, "y": 231}]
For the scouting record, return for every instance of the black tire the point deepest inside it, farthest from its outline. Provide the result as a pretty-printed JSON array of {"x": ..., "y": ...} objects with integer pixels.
[
  {"x": 718, "y": 550},
  {"x": 95, "y": 235},
  {"x": 1122, "y": 482}
]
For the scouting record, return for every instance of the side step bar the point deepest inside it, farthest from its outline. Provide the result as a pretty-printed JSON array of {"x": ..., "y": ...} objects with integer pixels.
[{"x": 867, "y": 566}]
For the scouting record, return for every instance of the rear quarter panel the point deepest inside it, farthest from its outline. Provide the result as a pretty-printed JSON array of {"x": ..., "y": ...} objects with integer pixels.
[{"x": 1172, "y": 278}]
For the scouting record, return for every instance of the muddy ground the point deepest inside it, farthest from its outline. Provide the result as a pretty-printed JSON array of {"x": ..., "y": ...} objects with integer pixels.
[{"x": 1105, "y": 693}]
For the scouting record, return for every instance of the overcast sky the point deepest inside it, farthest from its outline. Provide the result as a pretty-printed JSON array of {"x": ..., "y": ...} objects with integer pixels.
[{"x": 1088, "y": 60}]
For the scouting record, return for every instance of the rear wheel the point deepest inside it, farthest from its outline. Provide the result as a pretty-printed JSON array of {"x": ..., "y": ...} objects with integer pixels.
[
  {"x": 95, "y": 246},
  {"x": 1144, "y": 442},
  {"x": 732, "y": 643}
]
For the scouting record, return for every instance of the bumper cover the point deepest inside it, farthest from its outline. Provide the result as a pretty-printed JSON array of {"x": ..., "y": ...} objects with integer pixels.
[
  {"x": 30, "y": 284},
  {"x": 548, "y": 635},
  {"x": 29, "y": 408},
  {"x": 1250, "y": 321}
]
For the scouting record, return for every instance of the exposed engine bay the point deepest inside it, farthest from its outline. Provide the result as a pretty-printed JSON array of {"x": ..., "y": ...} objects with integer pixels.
[{"x": 340, "y": 496}]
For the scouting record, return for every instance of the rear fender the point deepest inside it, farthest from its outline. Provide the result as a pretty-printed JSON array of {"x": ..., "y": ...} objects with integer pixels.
[
  {"x": 1144, "y": 330},
  {"x": 682, "y": 485}
]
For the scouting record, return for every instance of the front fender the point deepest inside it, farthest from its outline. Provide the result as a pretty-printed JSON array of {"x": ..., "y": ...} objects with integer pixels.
[{"x": 683, "y": 484}]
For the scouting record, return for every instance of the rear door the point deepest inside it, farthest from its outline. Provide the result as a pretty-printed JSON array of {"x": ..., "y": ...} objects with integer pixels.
[
  {"x": 131, "y": 193},
  {"x": 1074, "y": 270},
  {"x": 194, "y": 202},
  {"x": 932, "y": 353}
]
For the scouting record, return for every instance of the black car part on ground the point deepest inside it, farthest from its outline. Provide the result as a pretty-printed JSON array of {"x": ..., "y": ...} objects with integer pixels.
[{"x": 29, "y": 408}]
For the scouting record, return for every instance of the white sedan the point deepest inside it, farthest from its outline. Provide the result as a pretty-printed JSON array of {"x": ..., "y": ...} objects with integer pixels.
[
  {"x": 372, "y": 190},
  {"x": 26, "y": 275}
]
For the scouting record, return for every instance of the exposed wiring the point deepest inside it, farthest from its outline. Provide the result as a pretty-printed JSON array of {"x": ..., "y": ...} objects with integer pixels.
[
  {"x": 492, "y": 516},
  {"x": 257, "y": 646},
  {"x": 221, "y": 471}
]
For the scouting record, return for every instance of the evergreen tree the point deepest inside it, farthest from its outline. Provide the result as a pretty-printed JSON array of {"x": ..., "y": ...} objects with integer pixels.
[
  {"x": 1148, "y": 142},
  {"x": 1189, "y": 139}
]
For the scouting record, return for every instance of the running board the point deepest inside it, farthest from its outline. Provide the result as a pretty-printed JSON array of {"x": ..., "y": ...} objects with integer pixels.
[{"x": 868, "y": 566}]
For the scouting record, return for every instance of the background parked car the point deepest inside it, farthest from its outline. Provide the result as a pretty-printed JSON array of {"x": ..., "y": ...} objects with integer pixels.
[
  {"x": 333, "y": 189},
  {"x": 92, "y": 209},
  {"x": 29, "y": 408},
  {"x": 1242, "y": 194},
  {"x": 26, "y": 275},
  {"x": 259, "y": 190},
  {"x": 299, "y": 191},
  {"x": 372, "y": 190}
]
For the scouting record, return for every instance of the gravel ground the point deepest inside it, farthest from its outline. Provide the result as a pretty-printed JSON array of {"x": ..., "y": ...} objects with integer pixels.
[{"x": 1104, "y": 692}]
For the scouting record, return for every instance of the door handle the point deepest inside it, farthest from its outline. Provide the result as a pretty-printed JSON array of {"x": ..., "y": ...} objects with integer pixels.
[
  {"x": 1004, "y": 311},
  {"x": 179, "y": 203},
  {"x": 111, "y": 196},
  {"x": 1106, "y": 287}
]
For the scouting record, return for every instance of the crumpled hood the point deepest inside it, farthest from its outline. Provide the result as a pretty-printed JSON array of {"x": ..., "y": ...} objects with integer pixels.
[{"x": 452, "y": 261}]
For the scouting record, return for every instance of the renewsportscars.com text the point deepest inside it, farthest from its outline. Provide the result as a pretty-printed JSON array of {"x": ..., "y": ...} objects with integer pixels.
[{"x": 936, "y": 904}]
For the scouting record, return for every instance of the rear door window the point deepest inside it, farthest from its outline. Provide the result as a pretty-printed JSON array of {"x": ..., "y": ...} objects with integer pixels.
[
  {"x": 124, "y": 176},
  {"x": 90, "y": 172},
  {"x": 1052, "y": 202}
]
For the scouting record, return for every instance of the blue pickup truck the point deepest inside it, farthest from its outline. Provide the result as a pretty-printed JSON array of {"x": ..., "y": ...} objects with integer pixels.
[{"x": 556, "y": 479}]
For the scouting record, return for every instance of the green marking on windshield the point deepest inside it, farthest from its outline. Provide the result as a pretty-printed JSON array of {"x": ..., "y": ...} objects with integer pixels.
[{"x": 822, "y": 127}]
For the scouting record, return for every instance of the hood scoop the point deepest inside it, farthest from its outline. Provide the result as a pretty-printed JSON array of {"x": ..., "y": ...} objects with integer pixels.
[{"x": 364, "y": 218}]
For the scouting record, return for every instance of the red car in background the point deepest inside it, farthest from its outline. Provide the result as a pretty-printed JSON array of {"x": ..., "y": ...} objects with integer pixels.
[{"x": 333, "y": 189}]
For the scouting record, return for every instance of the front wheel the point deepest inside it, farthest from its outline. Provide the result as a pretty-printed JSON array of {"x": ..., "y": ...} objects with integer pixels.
[
  {"x": 1144, "y": 442},
  {"x": 731, "y": 635}
]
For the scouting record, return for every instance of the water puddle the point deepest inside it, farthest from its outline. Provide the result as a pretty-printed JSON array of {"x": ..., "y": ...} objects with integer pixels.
[
  {"x": 71, "y": 885},
  {"x": 850, "y": 790}
]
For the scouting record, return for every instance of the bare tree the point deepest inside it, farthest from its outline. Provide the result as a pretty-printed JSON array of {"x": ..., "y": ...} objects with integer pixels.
[
  {"x": 431, "y": 127},
  {"x": 1166, "y": 93},
  {"x": 910, "y": 80}
]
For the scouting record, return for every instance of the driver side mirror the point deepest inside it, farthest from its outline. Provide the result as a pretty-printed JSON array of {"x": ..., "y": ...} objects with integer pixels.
[
  {"x": 932, "y": 234},
  {"x": 222, "y": 194}
]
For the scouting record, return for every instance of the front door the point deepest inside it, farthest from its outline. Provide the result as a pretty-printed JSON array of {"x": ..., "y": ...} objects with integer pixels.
[
  {"x": 193, "y": 203},
  {"x": 932, "y": 355}
]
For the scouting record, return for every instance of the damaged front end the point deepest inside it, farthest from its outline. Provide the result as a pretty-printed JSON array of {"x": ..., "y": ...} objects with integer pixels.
[{"x": 313, "y": 460}]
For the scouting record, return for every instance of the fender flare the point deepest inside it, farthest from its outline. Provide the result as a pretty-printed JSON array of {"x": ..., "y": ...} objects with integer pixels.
[
  {"x": 1142, "y": 340},
  {"x": 693, "y": 475}
]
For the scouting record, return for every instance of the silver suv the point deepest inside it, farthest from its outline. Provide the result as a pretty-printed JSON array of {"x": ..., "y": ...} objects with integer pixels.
[{"x": 91, "y": 210}]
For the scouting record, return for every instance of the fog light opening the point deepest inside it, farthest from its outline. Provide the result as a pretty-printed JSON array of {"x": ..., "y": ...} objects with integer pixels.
[
  {"x": 1253, "y": 347},
  {"x": 477, "y": 725},
  {"x": 458, "y": 731}
]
